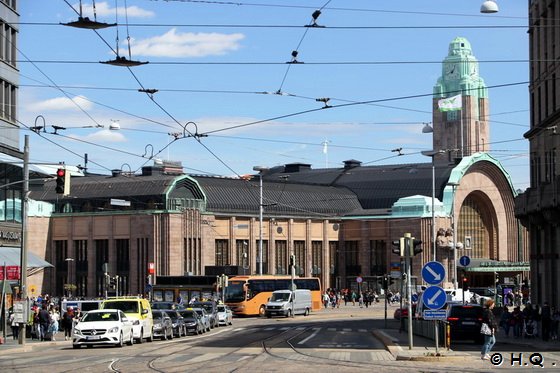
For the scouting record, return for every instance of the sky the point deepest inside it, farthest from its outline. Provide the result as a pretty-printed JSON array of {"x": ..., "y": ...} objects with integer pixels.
[{"x": 219, "y": 96}]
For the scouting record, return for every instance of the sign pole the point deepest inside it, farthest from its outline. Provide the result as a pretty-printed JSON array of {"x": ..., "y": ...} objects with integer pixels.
[
  {"x": 407, "y": 248},
  {"x": 23, "y": 263}
]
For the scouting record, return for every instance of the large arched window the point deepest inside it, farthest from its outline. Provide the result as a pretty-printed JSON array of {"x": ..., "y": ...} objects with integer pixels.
[{"x": 475, "y": 227}]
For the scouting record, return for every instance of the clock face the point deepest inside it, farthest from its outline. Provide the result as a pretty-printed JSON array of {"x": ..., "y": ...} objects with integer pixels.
[{"x": 451, "y": 71}]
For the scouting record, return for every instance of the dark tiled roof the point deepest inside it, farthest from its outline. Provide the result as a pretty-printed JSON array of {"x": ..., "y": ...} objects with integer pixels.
[
  {"x": 104, "y": 186},
  {"x": 279, "y": 198},
  {"x": 377, "y": 187}
]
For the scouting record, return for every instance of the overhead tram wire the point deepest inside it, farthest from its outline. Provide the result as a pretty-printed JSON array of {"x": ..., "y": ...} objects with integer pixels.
[
  {"x": 160, "y": 106},
  {"x": 238, "y": 4},
  {"x": 348, "y": 105}
]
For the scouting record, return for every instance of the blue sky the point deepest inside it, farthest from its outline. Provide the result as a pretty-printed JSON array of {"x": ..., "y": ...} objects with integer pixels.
[{"x": 212, "y": 61}]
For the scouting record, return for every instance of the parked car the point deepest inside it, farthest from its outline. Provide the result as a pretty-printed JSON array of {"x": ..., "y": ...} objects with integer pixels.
[
  {"x": 193, "y": 322},
  {"x": 102, "y": 327},
  {"x": 211, "y": 309},
  {"x": 465, "y": 322},
  {"x": 225, "y": 316},
  {"x": 204, "y": 317},
  {"x": 178, "y": 323},
  {"x": 163, "y": 327}
]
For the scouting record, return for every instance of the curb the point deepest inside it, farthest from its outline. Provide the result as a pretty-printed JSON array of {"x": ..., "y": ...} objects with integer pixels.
[{"x": 389, "y": 343}]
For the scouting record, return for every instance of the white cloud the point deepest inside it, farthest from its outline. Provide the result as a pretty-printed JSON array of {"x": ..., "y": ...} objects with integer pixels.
[
  {"x": 62, "y": 103},
  {"x": 189, "y": 44},
  {"x": 102, "y": 136},
  {"x": 105, "y": 10}
]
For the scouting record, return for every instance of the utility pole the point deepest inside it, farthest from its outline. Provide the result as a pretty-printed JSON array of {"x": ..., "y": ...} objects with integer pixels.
[
  {"x": 408, "y": 248},
  {"x": 23, "y": 262}
]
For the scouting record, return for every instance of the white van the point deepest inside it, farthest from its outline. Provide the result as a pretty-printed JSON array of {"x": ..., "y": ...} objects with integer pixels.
[{"x": 281, "y": 303}]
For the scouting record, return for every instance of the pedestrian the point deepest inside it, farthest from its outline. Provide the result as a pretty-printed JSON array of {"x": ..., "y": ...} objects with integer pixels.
[
  {"x": 505, "y": 320},
  {"x": 353, "y": 296},
  {"x": 14, "y": 325},
  {"x": 55, "y": 318},
  {"x": 44, "y": 322},
  {"x": 546, "y": 321},
  {"x": 489, "y": 337},
  {"x": 555, "y": 323},
  {"x": 67, "y": 322}
]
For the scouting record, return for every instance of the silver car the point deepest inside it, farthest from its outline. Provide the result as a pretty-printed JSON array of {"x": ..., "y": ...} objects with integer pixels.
[
  {"x": 225, "y": 316},
  {"x": 102, "y": 327},
  {"x": 204, "y": 316}
]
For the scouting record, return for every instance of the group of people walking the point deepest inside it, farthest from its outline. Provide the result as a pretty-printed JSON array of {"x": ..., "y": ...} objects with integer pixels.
[
  {"x": 45, "y": 321},
  {"x": 333, "y": 298},
  {"x": 532, "y": 322}
]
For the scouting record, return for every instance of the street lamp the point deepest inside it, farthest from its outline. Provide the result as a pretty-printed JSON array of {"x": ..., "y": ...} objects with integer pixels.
[
  {"x": 260, "y": 169},
  {"x": 455, "y": 245},
  {"x": 489, "y": 6},
  {"x": 432, "y": 154},
  {"x": 69, "y": 274}
]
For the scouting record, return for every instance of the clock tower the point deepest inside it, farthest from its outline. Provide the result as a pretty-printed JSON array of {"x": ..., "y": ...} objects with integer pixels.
[{"x": 462, "y": 132}]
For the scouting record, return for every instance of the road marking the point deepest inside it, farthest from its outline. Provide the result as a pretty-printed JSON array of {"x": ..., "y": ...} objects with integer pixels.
[
  {"x": 268, "y": 329},
  {"x": 362, "y": 330},
  {"x": 285, "y": 328},
  {"x": 346, "y": 330},
  {"x": 331, "y": 329},
  {"x": 238, "y": 329},
  {"x": 309, "y": 337}
]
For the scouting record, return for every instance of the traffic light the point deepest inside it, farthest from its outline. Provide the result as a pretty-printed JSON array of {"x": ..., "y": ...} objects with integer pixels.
[
  {"x": 465, "y": 281},
  {"x": 292, "y": 261},
  {"x": 497, "y": 276},
  {"x": 399, "y": 246},
  {"x": 415, "y": 249},
  {"x": 113, "y": 283},
  {"x": 60, "y": 180}
]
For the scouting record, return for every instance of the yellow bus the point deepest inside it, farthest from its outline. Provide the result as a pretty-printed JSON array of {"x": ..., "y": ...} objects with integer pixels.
[{"x": 248, "y": 295}]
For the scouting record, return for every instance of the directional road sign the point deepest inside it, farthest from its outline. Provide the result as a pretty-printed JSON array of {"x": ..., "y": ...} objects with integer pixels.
[
  {"x": 433, "y": 273},
  {"x": 434, "y": 297},
  {"x": 465, "y": 261},
  {"x": 414, "y": 297}
]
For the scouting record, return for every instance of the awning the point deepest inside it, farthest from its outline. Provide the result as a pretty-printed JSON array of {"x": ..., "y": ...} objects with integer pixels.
[{"x": 11, "y": 257}]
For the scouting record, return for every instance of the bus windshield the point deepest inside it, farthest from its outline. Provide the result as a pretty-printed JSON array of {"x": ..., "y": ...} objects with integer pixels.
[{"x": 235, "y": 292}]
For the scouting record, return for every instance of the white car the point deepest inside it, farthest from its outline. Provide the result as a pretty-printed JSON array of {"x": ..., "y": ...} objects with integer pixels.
[
  {"x": 103, "y": 327},
  {"x": 225, "y": 316}
]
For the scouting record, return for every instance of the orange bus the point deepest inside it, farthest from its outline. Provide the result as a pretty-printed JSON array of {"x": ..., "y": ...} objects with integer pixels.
[{"x": 248, "y": 295}]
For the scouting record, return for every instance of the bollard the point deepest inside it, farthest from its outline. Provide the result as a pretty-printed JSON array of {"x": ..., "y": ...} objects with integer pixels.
[{"x": 448, "y": 336}]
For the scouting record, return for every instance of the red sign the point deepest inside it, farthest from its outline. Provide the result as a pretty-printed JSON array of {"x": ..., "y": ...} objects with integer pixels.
[
  {"x": 151, "y": 268},
  {"x": 9, "y": 273}
]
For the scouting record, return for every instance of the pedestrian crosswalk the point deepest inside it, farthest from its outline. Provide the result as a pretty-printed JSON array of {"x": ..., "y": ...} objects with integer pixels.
[{"x": 301, "y": 328}]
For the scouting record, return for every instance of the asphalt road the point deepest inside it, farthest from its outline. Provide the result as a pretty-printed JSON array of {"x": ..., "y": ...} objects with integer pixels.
[{"x": 330, "y": 340}]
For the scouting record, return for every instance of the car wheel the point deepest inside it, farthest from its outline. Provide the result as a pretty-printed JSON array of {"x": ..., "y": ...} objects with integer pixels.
[
  {"x": 131, "y": 339},
  {"x": 76, "y": 346},
  {"x": 306, "y": 313},
  {"x": 262, "y": 310},
  {"x": 121, "y": 341},
  {"x": 151, "y": 336},
  {"x": 141, "y": 339},
  {"x": 230, "y": 322},
  {"x": 289, "y": 313},
  {"x": 171, "y": 335}
]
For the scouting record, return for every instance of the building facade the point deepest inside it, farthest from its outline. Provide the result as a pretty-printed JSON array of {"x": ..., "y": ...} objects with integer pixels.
[
  {"x": 339, "y": 223},
  {"x": 538, "y": 206}
]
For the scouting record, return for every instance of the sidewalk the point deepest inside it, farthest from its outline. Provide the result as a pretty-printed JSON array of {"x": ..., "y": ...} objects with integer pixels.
[{"x": 11, "y": 345}]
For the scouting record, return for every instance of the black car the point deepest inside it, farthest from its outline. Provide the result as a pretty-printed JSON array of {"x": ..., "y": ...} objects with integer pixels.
[
  {"x": 211, "y": 308},
  {"x": 177, "y": 322},
  {"x": 192, "y": 320},
  {"x": 465, "y": 321},
  {"x": 163, "y": 327}
]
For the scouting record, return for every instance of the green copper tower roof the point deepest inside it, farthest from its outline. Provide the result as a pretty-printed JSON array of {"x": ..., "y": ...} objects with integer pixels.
[{"x": 459, "y": 72}]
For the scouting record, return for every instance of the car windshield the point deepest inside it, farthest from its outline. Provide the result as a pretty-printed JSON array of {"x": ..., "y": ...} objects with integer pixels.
[
  {"x": 465, "y": 311},
  {"x": 101, "y": 316},
  {"x": 125, "y": 306},
  {"x": 173, "y": 316},
  {"x": 200, "y": 312},
  {"x": 221, "y": 309},
  {"x": 157, "y": 315},
  {"x": 280, "y": 297}
]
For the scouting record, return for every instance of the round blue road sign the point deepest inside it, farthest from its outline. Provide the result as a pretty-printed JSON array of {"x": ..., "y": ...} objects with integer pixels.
[
  {"x": 465, "y": 261},
  {"x": 433, "y": 273},
  {"x": 434, "y": 297}
]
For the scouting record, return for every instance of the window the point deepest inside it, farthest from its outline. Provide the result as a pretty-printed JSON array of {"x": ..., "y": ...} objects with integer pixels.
[
  {"x": 242, "y": 248},
  {"x": 281, "y": 257},
  {"x": 316, "y": 257},
  {"x": 351, "y": 256},
  {"x": 378, "y": 264},
  {"x": 333, "y": 256},
  {"x": 222, "y": 257},
  {"x": 264, "y": 256},
  {"x": 299, "y": 252},
  {"x": 123, "y": 255}
]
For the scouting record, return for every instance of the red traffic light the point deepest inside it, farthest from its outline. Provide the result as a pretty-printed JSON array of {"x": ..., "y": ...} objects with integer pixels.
[{"x": 60, "y": 172}]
